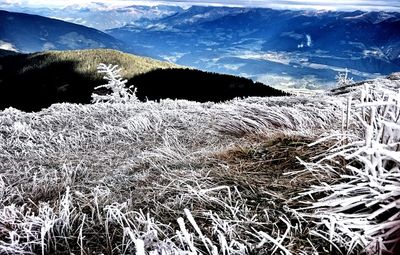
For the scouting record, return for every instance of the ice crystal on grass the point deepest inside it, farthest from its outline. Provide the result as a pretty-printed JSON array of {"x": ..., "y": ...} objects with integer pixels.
[
  {"x": 116, "y": 85},
  {"x": 361, "y": 210},
  {"x": 115, "y": 178},
  {"x": 175, "y": 177}
]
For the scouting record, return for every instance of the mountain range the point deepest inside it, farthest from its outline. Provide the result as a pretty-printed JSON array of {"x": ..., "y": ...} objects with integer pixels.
[
  {"x": 296, "y": 48},
  {"x": 101, "y": 16},
  {"x": 284, "y": 48}
]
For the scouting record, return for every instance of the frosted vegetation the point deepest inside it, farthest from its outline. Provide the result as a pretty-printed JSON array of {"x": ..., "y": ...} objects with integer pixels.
[
  {"x": 343, "y": 79},
  {"x": 179, "y": 177},
  {"x": 116, "y": 85}
]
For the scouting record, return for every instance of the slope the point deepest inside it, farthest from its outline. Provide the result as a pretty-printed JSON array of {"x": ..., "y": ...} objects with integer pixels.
[
  {"x": 180, "y": 177},
  {"x": 109, "y": 174},
  {"x": 34, "y": 81},
  {"x": 31, "y": 33}
]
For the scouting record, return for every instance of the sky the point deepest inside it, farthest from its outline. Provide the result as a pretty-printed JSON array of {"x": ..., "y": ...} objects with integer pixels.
[{"x": 389, "y": 5}]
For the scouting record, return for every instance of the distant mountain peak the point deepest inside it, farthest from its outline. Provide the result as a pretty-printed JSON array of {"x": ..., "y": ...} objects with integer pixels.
[{"x": 295, "y": 48}]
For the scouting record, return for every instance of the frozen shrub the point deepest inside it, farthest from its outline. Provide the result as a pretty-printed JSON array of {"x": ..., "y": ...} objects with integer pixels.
[
  {"x": 343, "y": 79},
  {"x": 116, "y": 85}
]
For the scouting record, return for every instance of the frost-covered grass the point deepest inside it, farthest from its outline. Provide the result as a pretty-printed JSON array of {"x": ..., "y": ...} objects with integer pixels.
[
  {"x": 120, "y": 178},
  {"x": 361, "y": 211},
  {"x": 173, "y": 177}
]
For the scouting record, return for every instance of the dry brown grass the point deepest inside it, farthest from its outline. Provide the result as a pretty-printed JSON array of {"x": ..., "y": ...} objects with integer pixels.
[
  {"x": 262, "y": 164},
  {"x": 260, "y": 167}
]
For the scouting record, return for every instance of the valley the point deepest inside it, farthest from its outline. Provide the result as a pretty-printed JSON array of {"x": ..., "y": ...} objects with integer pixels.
[
  {"x": 287, "y": 49},
  {"x": 282, "y": 48}
]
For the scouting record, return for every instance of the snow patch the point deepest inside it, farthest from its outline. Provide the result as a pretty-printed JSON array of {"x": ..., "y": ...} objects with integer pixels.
[
  {"x": 233, "y": 67},
  {"x": 269, "y": 56},
  {"x": 48, "y": 46},
  {"x": 373, "y": 52},
  {"x": 74, "y": 40},
  {"x": 7, "y": 46},
  {"x": 293, "y": 35},
  {"x": 174, "y": 57},
  {"x": 307, "y": 43}
]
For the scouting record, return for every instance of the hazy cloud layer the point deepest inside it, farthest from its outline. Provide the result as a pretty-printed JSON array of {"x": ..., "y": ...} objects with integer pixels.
[{"x": 390, "y": 5}]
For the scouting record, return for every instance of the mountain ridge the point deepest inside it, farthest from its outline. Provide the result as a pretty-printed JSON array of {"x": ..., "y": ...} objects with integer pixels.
[
  {"x": 31, "y": 82},
  {"x": 33, "y": 33},
  {"x": 98, "y": 15}
]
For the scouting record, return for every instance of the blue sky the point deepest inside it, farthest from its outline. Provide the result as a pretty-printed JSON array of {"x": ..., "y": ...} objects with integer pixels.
[{"x": 393, "y": 5}]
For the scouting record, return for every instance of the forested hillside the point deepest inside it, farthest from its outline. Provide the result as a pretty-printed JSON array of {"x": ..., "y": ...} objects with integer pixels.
[{"x": 31, "y": 82}]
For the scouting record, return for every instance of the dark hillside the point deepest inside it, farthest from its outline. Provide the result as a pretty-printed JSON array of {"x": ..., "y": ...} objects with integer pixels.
[
  {"x": 31, "y": 82},
  {"x": 36, "y": 88},
  {"x": 7, "y": 53},
  {"x": 197, "y": 85},
  {"x": 31, "y": 33}
]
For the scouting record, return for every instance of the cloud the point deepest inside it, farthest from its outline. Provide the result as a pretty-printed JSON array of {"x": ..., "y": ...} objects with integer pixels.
[
  {"x": 310, "y": 4},
  {"x": 11, "y": 2},
  {"x": 389, "y": 5},
  {"x": 7, "y": 46}
]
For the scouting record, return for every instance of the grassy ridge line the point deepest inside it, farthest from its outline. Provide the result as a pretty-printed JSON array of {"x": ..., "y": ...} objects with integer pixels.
[
  {"x": 88, "y": 60},
  {"x": 82, "y": 178}
]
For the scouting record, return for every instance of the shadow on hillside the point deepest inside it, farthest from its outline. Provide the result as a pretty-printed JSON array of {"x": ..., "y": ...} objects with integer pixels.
[
  {"x": 31, "y": 86},
  {"x": 36, "y": 86},
  {"x": 197, "y": 85}
]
